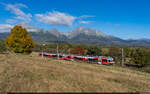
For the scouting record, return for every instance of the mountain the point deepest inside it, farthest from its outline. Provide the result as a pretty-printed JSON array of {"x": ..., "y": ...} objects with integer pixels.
[
  {"x": 3, "y": 35},
  {"x": 83, "y": 35},
  {"x": 79, "y": 35},
  {"x": 86, "y": 31},
  {"x": 59, "y": 36},
  {"x": 55, "y": 32},
  {"x": 139, "y": 42}
]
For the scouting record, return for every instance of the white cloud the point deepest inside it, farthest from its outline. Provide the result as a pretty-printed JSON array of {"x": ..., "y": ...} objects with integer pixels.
[
  {"x": 19, "y": 5},
  {"x": 56, "y": 18},
  {"x": 85, "y": 22},
  {"x": 85, "y": 16},
  {"x": 10, "y": 21},
  {"x": 5, "y": 27},
  {"x": 20, "y": 15}
]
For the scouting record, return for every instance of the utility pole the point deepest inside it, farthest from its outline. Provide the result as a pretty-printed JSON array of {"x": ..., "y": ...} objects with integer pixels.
[
  {"x": 42, "y": 50},
  {"x": 122, "y": 64},
  {"x": 57, "y": 52},
  {"x": 69, "y": 50}
]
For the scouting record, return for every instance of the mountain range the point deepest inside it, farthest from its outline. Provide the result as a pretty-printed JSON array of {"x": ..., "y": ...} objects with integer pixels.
[{"x": 79, "y": 35}]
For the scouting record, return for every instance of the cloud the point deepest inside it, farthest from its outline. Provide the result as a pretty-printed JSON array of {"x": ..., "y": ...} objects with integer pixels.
[
  {"x": 19, "y": 5},
  {"x": 85, "y": 16},
  {"x": 19, "y": 14},
  {"x": 85, "y": 22},
  {"x": 5, "y": 27},
  {"x": 56, "y": 18},
  {"x": 10, "y": 21}
]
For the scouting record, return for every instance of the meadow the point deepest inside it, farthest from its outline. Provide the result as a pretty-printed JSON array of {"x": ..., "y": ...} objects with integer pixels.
[{"x": 31, "y": 73}]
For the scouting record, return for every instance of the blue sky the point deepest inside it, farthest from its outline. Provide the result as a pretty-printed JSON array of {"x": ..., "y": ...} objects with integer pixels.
[{"x": 120, "y": 18}]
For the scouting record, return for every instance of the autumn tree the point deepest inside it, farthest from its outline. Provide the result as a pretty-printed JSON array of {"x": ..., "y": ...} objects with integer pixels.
[
  {"x": 19, "y": 40},
  {"x": 79, "y": 50},
  {"x": 71, "y": 51}
]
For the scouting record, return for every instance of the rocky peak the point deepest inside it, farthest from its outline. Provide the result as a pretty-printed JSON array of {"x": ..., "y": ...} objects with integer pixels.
[
  {"x": 87, "y": 31},
  {"x": 55, "y": 32}
]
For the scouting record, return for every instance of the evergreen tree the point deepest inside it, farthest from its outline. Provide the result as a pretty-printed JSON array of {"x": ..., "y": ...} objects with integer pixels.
[{"x": 94, "y": 51}]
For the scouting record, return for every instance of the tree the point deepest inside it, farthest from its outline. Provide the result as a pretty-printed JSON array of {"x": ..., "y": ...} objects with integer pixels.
[
  {"x": 94, "y": 51},
  {"x": 71, "y": 51},
  {"x": 19, "y": 40},
  {"x": 127, "y": 52},
  {"x": 2, "y": 46},
  {"x": 140, "y": 57},
  {"x": 115, "y": 52},
  {"x": 79, "y": 50}
]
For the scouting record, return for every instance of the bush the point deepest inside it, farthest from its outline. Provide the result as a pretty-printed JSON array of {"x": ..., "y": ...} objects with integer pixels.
[{"x": 19, "y": 40}]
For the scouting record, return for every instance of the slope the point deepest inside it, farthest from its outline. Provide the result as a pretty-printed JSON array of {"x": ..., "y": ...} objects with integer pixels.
[{"x": 23, "y": 73}]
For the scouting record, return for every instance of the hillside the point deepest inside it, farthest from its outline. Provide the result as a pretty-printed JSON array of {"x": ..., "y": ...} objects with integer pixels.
[{"x": 31, "y": 73}]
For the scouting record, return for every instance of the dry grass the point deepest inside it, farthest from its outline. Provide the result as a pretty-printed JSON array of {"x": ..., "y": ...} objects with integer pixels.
[{"x": 31, "y": 73}]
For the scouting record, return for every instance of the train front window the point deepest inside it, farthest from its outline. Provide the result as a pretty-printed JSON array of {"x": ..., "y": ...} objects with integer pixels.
[{"x": 110, "y": 60}]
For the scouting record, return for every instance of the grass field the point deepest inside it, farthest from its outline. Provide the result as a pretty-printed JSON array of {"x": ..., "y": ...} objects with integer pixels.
[{"x": 31, "y": 73}]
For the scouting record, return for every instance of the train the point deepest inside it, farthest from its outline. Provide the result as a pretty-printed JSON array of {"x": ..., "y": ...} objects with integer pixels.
[{"x": 89, "y": 59}]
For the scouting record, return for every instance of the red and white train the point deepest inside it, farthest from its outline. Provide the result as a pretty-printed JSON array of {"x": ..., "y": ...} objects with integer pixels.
[{"x": 89, "y": 59}]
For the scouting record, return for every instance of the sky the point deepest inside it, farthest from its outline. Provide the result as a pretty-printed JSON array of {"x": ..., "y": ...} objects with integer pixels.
[{"x": 126, "y": 19}]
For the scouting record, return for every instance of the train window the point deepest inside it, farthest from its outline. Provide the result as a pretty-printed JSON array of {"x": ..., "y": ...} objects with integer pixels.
[
  {"x": 110, "y": 60},
  {"x": 45, "y": 55},
  {"x": 69, "y": 56},
  {"x": 78, "y": 58},
  {"x": 104, "y": 60},
  {"x": 54, "y": 55},
  {"x": 60, "y": 56},
  {"x": 94, "y": 60}
]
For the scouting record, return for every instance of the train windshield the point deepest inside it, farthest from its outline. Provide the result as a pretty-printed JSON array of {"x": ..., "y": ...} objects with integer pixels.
[{"x": 110, "y": 60}]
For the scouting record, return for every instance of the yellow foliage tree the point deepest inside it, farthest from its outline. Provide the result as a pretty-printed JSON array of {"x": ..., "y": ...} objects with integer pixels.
[{"x": 19, "y": 40}]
